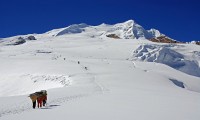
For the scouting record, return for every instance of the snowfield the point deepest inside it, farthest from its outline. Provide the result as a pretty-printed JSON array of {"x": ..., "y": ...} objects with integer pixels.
[{"x": 115, "y": 79}]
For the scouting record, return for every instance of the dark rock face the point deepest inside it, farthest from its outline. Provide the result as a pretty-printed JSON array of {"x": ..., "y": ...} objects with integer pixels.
[
  {"x": 19, "y": 42},
  {"x": 113, "y": 36},
  {"x": 31, "y": 37},
  {"x": 20, "y": 38},
  {"x": 198, "y": 42},
  {"x": 163, "y": 39}
]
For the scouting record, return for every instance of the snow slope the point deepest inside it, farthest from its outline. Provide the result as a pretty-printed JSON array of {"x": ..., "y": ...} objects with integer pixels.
[{"x": 116, "y": 79}]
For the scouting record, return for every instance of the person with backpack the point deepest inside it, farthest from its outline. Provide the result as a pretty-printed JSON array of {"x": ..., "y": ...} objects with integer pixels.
[
  {"x": 42, "y": 98},
  {"x": 33, "y": 98}
]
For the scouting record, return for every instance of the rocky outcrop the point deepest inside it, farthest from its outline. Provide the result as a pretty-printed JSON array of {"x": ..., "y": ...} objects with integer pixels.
[
  {"x": 19, "y": 41},
  {"x": 113, "y": 36},
  {"x": 198, "y": 42},
  {"x": 163, "y": 39},
  {"x": 31, "y": 37}
]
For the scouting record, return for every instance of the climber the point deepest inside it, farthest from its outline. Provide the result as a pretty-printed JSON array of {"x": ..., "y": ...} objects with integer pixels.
[{"x": 33, "y": 98}]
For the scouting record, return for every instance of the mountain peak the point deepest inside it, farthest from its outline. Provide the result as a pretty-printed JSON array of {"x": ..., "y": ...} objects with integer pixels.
[
  {"x": 131, "y": 30},
  {"x": 129, "y": 22}
]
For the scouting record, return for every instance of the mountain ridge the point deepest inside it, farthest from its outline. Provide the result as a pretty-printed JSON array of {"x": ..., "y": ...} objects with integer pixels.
[{"x": 125, "y": 30}]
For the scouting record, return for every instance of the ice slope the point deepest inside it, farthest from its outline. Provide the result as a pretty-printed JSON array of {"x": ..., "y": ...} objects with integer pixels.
[
  {"x": 167, "y": 55},
  {"x": 107, "y": 84}
]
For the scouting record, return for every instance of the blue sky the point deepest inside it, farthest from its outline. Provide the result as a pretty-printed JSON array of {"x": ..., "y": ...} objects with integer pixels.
[{"x": 179, "y": 19}]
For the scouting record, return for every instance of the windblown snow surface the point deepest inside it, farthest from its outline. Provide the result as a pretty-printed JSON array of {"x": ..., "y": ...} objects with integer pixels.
[{"x": 117, "y": 79}]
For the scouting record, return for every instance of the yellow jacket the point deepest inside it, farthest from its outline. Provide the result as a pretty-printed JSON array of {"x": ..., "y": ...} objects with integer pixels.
[{"x": 33, "y": 97}]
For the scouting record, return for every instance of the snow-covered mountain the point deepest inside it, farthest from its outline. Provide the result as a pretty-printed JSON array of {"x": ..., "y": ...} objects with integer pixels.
[
  {"x": 126, "y": 30},
  {"x": 110, "y": 72}
]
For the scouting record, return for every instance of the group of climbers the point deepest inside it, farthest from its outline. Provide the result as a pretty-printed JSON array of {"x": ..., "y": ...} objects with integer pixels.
[{"x": 40, "y": 97}]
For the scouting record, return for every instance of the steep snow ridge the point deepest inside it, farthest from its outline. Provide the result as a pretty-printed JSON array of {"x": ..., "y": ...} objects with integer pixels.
[
  {"x": 154, "y": 33},
  {"x": 140, "y": 32},
  {"x": 164, "y": 54},
  {"x": 123, "y": 30},
  {"x": 73, "y": 29},
  {"x": 53, "y": 32}
]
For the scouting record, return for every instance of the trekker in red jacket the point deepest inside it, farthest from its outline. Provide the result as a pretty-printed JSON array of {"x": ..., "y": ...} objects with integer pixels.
[
  {"x": 42, "y": 98},
  {"x": 39, "y": 101}
]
